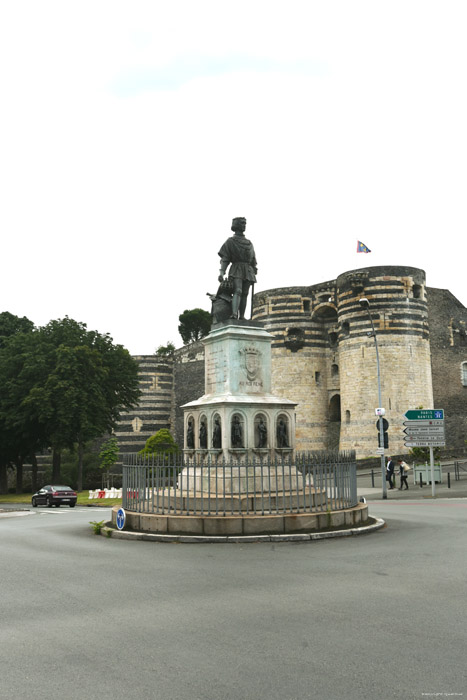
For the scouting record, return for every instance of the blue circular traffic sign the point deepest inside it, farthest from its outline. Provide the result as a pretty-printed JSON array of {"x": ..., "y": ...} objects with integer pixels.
[{"x": 121, "y": 517}]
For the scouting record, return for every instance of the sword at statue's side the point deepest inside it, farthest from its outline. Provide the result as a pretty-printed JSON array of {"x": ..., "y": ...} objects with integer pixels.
[{"x": 252, "y": 295}]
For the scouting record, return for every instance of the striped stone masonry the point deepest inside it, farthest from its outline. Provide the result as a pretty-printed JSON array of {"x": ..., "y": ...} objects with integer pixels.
[
  {"x": 322, "y": 350},
  {"x": 155, "y": 406}
]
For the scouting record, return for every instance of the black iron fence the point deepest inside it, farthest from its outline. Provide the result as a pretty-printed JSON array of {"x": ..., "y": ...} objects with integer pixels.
[{"x": 301, "y": 483}]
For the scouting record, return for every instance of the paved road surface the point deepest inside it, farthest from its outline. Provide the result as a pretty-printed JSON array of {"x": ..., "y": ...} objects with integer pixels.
[{"x": 380, "y": 616}]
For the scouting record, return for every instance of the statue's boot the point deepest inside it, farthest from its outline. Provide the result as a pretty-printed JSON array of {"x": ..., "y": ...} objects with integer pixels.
[
  {"x": 236, "y": 299},
  {"x": 242, "y": 306}
]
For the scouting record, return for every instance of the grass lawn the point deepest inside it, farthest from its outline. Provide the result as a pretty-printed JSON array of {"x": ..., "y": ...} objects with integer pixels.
[{"x": 83, "y": 499}]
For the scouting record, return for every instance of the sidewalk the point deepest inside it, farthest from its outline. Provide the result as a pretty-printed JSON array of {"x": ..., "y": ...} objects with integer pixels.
[{"x": 458, "y": 489}]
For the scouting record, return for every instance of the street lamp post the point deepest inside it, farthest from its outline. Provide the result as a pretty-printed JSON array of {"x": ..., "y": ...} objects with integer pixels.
[{"x": 365, "y": 304}]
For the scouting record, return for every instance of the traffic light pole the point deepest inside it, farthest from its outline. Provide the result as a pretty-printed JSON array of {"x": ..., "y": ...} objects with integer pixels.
[{"x": 366, "y": 304}]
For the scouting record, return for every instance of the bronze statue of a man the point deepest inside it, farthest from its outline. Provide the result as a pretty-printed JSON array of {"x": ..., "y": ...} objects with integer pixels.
[{"x": 238, "y": 252}]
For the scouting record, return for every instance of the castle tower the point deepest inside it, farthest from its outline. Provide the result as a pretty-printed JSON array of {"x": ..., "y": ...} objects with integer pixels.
[
  {"x": 398, "y": 305},
  {"x": 305, "y": 358},
  {"x": 155, "y": 405},
  {"x": 324, "y": 360}
]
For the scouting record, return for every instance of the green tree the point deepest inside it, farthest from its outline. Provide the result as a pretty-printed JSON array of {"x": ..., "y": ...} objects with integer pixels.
[
  {"x": 165, "y": 350},
  {"x": 194, "y": 324},
  {"x": 69, "y": 382},
  {"x": 91, "y": 382},
  {"x": 20, "y": 436},
  {"x": 11, "y": 324},
  {"x": 108, "y": 455},
  {"x": 160, "y": 443}
]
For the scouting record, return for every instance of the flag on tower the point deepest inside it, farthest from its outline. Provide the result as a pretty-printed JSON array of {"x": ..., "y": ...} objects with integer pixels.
[{"x": 362, "y": 248}]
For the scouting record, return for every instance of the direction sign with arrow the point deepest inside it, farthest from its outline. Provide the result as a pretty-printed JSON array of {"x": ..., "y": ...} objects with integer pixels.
[
  {"x": 425, "y": 414},
  {"x": 424, "y": 428},
  {"x": 424, "y": 422}
]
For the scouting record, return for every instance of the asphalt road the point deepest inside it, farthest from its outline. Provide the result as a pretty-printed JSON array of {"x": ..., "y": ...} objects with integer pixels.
[{"x": 378, "y": 616}]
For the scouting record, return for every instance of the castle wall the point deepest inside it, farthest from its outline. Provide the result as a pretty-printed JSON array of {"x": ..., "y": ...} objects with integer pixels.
[{"x": 448, "y": 336}]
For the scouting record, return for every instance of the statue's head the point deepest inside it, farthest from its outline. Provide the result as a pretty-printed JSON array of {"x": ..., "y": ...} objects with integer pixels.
[{"x": 238, "y": 224}]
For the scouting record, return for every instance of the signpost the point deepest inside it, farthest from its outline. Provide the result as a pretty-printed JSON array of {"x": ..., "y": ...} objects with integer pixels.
[{"x": 425, "y": 428}]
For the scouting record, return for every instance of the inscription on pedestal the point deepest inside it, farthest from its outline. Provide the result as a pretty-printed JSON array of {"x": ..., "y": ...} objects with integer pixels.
[{"x": 216, "y": 369}]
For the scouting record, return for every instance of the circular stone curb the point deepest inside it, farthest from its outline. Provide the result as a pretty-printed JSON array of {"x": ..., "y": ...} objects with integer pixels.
[
  {"x": 195, "y": 539},
  {"x": 14, "y": 513}
]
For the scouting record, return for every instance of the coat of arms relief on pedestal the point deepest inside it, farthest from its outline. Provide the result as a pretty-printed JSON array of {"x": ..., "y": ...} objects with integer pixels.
[{"x": 251, "y": 362}]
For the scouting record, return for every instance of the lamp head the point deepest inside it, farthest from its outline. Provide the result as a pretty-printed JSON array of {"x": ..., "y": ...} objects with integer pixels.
[{"x": 364, "y": 303}]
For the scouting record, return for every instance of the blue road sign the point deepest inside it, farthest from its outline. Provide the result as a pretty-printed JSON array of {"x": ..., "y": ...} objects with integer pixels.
[{"x": 121, "y": 517}]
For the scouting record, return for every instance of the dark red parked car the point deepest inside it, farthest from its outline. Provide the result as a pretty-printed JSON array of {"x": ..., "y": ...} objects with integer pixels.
[{"x": 55, "y": 496}]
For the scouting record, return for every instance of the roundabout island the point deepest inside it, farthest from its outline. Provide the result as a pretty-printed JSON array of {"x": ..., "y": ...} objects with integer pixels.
[{"x": 239, "y": 476}]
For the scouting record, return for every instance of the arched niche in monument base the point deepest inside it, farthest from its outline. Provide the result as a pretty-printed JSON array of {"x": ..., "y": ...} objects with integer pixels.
[
  {"x": 190, "y": 428},
  {"x": 261, "y": 431},
  {"x": 282, "y": 431},
  {"x": 216, "y": 432},
  {"x": 203, "y": 432},
  {"x": 237, "y": 431}
]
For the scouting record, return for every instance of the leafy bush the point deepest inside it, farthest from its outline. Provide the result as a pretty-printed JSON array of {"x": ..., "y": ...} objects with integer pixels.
[
  {"x": 97, "y": 526},
  {"x": 422, "y": 454},
  {"x": 160, "y": 443},
  {"x": 165, "y": 350}
]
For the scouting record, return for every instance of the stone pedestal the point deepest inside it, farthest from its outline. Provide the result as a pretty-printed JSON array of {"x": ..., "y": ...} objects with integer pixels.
[
  {"x": 238, "y": 419},
  {"x": 241, "y": 479}
]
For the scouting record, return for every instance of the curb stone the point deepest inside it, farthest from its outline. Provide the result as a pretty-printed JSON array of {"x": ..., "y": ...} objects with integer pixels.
[{"x": 239, "y": 539}]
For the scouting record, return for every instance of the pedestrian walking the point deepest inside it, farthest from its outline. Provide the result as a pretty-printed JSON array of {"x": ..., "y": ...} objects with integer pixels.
[
  {"x": 390, "y": 473},
  {"x": 403, "y": 473}
]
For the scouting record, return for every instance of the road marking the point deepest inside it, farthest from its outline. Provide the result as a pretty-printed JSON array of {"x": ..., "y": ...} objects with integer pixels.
[
  {"x": 60, "y": 511},
  {"x": 422, "y": 502},
  {"x": 52, "y": 512}
]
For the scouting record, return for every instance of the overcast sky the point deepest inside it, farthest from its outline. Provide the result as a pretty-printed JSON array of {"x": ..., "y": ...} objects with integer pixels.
[{"x": 132, "y": 132}]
